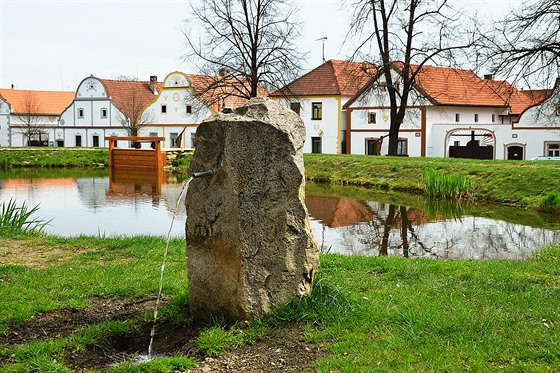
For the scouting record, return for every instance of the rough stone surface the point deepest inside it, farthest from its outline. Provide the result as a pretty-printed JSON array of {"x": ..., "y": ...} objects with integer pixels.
[{"x": 249, "y": 244}]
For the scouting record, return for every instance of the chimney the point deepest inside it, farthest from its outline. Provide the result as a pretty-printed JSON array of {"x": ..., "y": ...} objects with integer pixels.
[
  {"x": 488, "y": 77},
  {"x": 224, "y": 71},
  {"x": 153, "y": 83}
]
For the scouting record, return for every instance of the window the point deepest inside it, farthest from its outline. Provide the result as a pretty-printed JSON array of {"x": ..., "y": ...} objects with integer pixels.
[
  {"x": 372, "y": 146},
  {"x": 493, "y": 118},
  {"x": 372, "y": 117},
  {"x": 553, "y": 149},
  {"x": 164, "y": 109},
  {"x": 153, "y": 134},
  {"x": 316, "y": 145},
  {"x": 96, "y": 141},
  {"x": 402, "y": 147},
  {"x": 457, "y": 117},
  {"x": 173, "y": 139},
  {"x": 103, "y": 113},
  {"x": 317, "y": 110},
  {"x": 78, "y": 140},
  {"x": 296, "y": 107},
  {"x": 193, "y": 138},
  {"x": 80, "y": 113},
  {"x": 476, "y": 118},
  {"x": 189, "y": 109}
]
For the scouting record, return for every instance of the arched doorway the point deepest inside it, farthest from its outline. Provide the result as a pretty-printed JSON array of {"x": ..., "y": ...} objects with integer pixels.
[
  {"x": 469, "y": 143},
  {"x": 515, "y": 152}
]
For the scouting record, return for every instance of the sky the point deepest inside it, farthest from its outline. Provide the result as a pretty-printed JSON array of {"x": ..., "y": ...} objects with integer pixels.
[{"x": 54, "y": 45}]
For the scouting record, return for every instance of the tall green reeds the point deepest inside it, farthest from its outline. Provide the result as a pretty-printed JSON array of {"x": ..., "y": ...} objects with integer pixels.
[
  {"x": 550, "y": 202},
  {"x": 16, "y": 218},
  {"x": 441, "y": 185}
]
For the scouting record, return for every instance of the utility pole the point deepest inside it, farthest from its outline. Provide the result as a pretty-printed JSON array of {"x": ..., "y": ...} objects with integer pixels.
[{"x": 323, "y": 42}]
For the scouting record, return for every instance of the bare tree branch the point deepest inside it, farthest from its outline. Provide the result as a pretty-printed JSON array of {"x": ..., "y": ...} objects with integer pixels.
[
  {"x": 251, "y": 42},
  {"x": 403, "y": 36}
]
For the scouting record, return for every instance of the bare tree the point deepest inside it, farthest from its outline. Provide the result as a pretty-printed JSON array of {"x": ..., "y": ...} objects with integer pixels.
[
  {"x": 405, "y": 35},
  {"x": 251, "y": 43},
  {"x": 29, "y": 116},
  {"x": 525, "y": 46},
  {"x": 133, "y": 113}
]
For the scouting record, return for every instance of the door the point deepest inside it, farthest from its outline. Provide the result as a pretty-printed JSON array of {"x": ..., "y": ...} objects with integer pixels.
[{"x": 515, "y": 152}]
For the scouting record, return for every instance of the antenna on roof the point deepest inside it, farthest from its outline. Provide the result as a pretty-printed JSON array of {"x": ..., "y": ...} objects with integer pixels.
[{"x": 323, "y": 42}]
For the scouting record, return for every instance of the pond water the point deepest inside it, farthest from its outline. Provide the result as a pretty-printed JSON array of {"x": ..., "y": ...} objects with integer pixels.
[{"x": 344, "y": 220}]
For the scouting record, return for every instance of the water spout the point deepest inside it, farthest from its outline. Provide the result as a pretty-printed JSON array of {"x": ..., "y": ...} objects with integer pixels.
[{"x": 208, "y": 173}]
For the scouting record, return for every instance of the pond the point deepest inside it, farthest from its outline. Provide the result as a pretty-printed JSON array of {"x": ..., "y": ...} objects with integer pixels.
[{"x": 343, "y": 219}]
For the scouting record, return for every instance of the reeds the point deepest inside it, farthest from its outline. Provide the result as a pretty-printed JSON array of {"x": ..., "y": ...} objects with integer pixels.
[
  {"x": 20, "y": 218},
  {"x": 441, "y": 185},
  {"x": 550, "y": 202}
]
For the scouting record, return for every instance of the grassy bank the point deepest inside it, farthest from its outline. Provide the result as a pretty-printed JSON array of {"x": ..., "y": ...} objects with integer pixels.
[
  {"x": 369, "y": 313},
  {"x": 525, "y": 183},
  {"x": 53, "y": 157}
]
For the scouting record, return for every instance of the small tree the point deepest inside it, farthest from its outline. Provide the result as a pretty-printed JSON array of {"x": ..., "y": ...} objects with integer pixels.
[
  {"x": 133, "y": 113},
  {"x": 406, "y": 35},
  {"x": 244, "y": 45},
  {"x": 29, "y": 116}
]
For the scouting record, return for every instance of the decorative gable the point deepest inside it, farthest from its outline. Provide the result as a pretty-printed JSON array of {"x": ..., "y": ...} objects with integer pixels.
[{"x": 91, "y": 87}]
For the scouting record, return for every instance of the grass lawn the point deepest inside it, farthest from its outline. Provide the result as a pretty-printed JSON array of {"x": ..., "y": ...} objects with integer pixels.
[{"x": 369, "y": 313}]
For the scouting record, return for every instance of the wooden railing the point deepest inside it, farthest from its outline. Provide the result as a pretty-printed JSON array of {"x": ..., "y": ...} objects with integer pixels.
[{"x": 137, "y": 157}]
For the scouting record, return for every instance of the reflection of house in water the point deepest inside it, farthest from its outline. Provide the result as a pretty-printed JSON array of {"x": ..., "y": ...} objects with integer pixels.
[
  {"x": 129, "y": 184},
  {"x": 338, "y": 212},
  {"x": 93, "y": 191},
  {"x": 372, "y": 228}
]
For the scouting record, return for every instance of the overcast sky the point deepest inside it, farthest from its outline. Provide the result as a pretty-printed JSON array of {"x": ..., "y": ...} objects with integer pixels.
[{"x": 53, "y": 45}]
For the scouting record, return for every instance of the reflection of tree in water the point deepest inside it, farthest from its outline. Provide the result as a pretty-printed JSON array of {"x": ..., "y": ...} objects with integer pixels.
[
  {"x": 407, "y": 232},
  {"x": 93, "y": 191}
]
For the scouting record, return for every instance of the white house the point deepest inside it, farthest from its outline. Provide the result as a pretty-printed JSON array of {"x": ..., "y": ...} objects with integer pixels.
[
  {"x": 318, "y": 97},
  {"x": 29, "y": 117},
  {"x": 451, "y": 113}
]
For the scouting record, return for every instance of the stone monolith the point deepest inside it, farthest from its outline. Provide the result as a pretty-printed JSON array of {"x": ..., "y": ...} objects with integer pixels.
[{"x": 249, "y": 244}]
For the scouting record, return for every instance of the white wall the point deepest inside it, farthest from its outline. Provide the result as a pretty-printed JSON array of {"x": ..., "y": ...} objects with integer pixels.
[{"x": 327, "y": 128}]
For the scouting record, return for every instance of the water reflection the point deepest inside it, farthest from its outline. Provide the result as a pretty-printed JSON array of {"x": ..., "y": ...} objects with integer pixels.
[
  {"x": 348, "y": 226},
  {"x": 143, "y": 203}
]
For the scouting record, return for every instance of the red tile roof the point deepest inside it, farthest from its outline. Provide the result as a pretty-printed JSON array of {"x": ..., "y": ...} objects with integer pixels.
[
  {"x": 121, "y": 93},
  {"x": 218, "y": 91},
  {"x": 334, "y": 77},
  {"x": 450, "y": 86},
  {"x": 518, "y": 101},
  {"x": 47, "y": 102}
]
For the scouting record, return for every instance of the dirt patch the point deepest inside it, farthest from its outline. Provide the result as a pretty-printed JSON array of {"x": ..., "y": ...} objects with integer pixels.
[
  {"x": 284, "y": 350},
  {"x": 63, "y": 322},
  {"x": 29, "y": 254}
]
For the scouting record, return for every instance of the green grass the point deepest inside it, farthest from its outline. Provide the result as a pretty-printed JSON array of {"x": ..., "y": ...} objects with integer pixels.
[
  {"x": 371, "y": 313},
  {"x": 20, "y": 218},
  {"x": 53, "y": 157},
  {"x": 550, "y": 202},
  {"x": 439, "y": 185}
]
